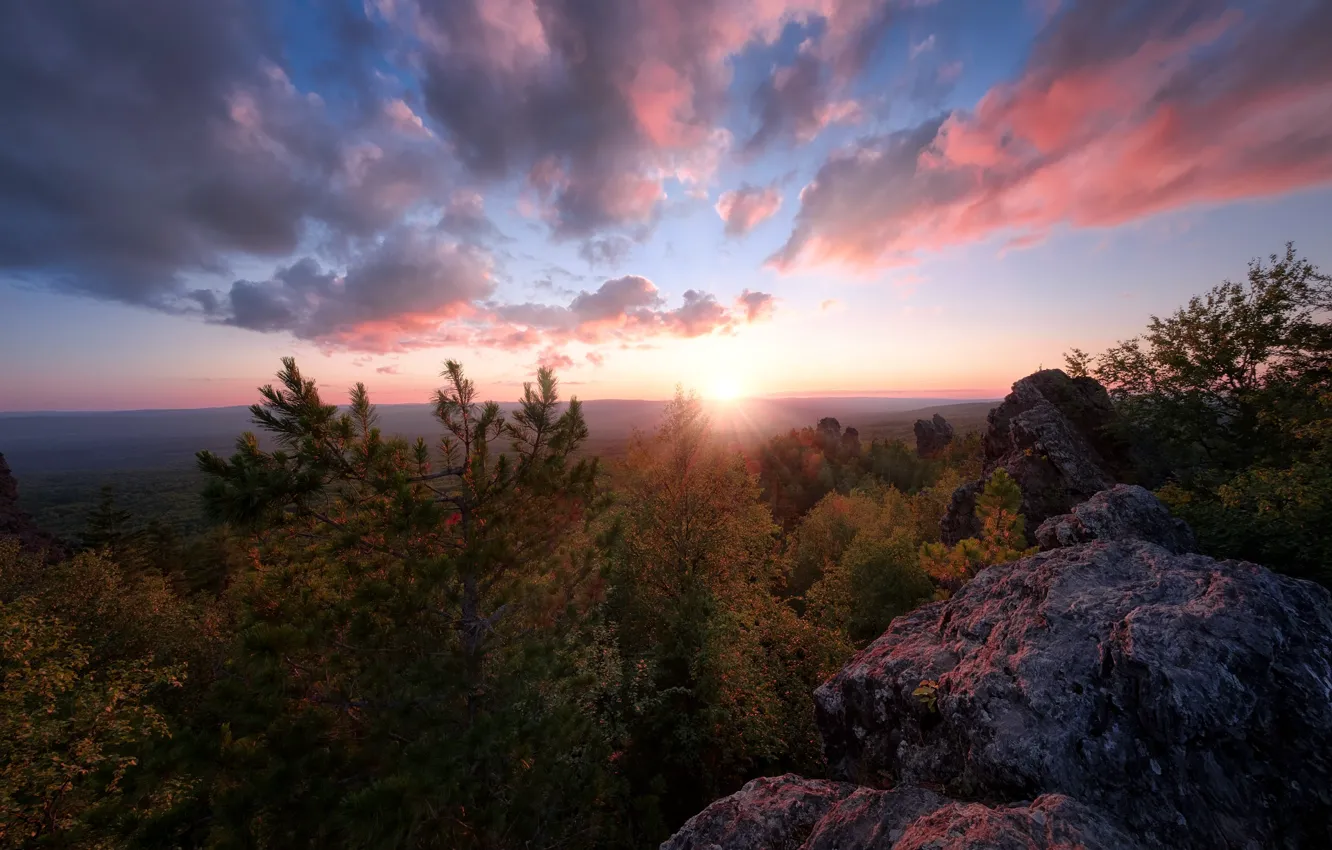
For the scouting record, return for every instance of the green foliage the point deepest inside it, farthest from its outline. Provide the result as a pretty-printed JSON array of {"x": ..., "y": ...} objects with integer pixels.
[
  {"x": 62, "y": 502},
  {"x": 1226, "y": 401},
  {"x": 716, "y": 672},
  {"x": 1213, "y": 383},
  {"x": 1274, "y": 515},
  {"x": 863, "y": 547},
  {"x": 399, "y": 676},
  {"x": 1003, "y": 536},
  {"x": 108, "y": 524},
  {"x": 799, "y": 468},
  {"x": 927, "y": 693},
  {"x": 92, "y": 660}
]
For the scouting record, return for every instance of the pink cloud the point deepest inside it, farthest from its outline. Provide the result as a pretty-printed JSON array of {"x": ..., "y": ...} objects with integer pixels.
[
  {"x": 745, "y": 208},
  {"x": 757, "y": 306},
  {"x": 552, "y": 358},
  {"x": 628, "y": 309},
  {"x": 1115, "y": 119}
]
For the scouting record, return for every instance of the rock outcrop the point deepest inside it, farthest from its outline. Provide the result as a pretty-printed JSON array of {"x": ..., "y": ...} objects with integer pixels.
[
  {"x": 1052, "y": 434},
  {"x": 790, "y": 813},
  {"x": 1124, "y": 512},
  {"x": 16, "y": 523},
  {"x": 1051, "y": 822},
  {"x": 1114, "y": 691},
  {"x": 1188, "y": 699},
  {"x": 932, "y": 436},
  {"x": 771, "y": 813}
]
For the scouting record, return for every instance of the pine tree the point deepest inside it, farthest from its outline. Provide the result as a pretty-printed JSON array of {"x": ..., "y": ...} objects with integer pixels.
[
  {"x": 400, "y": 679},
  {"x": 1003, "y": 533},
  {"x": 108, "y": 525}
]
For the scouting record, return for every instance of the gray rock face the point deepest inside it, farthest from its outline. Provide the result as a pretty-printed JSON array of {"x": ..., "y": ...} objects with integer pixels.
[
  {"x": 873, "y": 818},
  {"x": 1051, "y": 822},
  {"x": 802, "y": 814},
  {"x": 1051, "y": 434},
  {"x": 1189, "y": 700},
  {"x": 16, "y": 523},
  {"x": 771, "y": 813},
  {"x": 932, "y": 436},
  {"x": 1124, "y": 512}
]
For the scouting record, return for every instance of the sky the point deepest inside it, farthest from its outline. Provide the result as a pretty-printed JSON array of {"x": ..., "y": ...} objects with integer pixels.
[{"x": 754, "y": 197}]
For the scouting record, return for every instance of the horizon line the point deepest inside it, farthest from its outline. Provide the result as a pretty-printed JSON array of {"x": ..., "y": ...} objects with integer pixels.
[{"x": 965, "y": 395}]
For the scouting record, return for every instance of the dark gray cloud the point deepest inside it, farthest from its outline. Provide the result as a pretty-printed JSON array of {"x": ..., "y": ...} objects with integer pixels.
[
  {"x": 147, "y": 141},
  {"x": 794, "y": 103},
  {"x": 465, "y": 215},
  {"x": 596, "y": 104},
  {"x": 398, "y": 294},
  {"x": 607, "y": 251},
  {"x": 798, "y": 100}
]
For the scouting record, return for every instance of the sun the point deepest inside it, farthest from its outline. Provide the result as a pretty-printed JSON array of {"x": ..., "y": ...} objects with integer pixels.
[{"x": 725, "y": 388}]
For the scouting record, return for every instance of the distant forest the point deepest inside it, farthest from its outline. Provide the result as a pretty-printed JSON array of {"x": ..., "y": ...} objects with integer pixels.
[
  {"x": 147, "y": 457},
  {"x": 499, "y": 637}
]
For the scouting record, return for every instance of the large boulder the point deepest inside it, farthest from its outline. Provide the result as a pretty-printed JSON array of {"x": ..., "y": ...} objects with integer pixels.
[
  {"x": 771, "y": 813},
  {"x": 1124, "y": 512},
  {"x": 1054, "y": 436},
  {"x": 1051, "y": 822},
  {"x": 790, "y": 813},
  {"x": 1188, "y": 699},
  {"x": 16, "y": 523},
  {"x": 873, "y": 818},
  {"x": 932, "y": 436}
]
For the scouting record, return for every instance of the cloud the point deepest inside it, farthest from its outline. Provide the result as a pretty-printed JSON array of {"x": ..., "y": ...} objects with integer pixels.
[
  {"x": 465, "y": 215},
  {"x": 395, "y": 296},
  {"x": 596, "y": 358},
  {"x": 387, "y": 370},
  {"x": 598, "y": 105},
  {"x": 625, "y": 309},
  {"x": 757, "y": 306},
  {"x": 143, "y": 146},
  {"x": 745, "y": 208},
  {"x": 799, "y": 100},
  {"x": 608, "y": 251},
  {"x": 1125, "y": 109},
  {"x": 552, "y": 358},
  {"x": 919, "y": 47}
]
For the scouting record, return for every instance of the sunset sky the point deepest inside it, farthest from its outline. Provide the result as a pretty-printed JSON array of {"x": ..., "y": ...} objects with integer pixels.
[{"x": 928, "y": 197}]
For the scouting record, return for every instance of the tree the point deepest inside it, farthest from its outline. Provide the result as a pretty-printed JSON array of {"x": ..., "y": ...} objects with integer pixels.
[
  {"x": 108, "y": 525},
  {"x": 93, "y": 661},
  {"x": 862, "y": 550},
  {"x": 717, "y": 671},
  {"x": 1002, "y": 539},
  {"x": 1275, "y": 515},
  {"x": 398, "y": 675},
  {"x": 1226, "y": 402},
  {"x": 1211, "y": 384}
]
